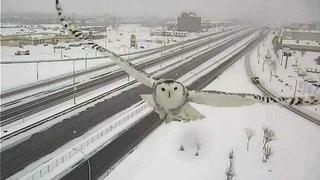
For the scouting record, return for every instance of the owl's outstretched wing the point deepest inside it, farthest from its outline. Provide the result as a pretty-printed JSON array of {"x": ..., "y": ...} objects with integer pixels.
[
  {"x": 141, "y": 76},
  {"x": 219, "y": 98}
]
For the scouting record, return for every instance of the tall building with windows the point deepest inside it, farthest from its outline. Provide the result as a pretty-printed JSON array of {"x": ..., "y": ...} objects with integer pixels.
[{"x": 189, "y": 21}]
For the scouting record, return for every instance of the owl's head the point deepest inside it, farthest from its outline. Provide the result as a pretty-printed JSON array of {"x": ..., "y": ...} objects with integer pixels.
[{"x": 170, "y": 94}]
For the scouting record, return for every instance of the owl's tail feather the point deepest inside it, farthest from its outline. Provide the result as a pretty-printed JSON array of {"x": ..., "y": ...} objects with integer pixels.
[{"x": 187, "y": 113}]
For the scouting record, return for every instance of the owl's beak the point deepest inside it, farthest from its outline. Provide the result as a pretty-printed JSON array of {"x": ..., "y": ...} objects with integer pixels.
[{"x": 169, "y": 94}]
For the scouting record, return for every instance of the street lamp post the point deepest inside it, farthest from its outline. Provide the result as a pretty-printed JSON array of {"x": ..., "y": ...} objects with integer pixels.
[
  {"x": 106, "y": 38},
  {"x": 264, "y": 61},
  {"x": 86, "y": 63},
  {"x": 74, "y": 82},
  {"x": 295, "y": 87},
  {"x": 304, "y": 86},
  {"x": 258, "y": 53},
  {"x": 37, "y": 70},
  {"x": 86, "y": 158},
  {"x": 124, "y": 46},
  {"x": 74, "y": 79},
  {"x": 182, "y": 47},
  {"x": 271, "y": 69}
]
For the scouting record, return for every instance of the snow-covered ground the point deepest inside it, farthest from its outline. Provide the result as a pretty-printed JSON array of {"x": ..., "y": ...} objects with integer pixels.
[
  {"x": 281, "y": 84},
  {"x": 118, "y": 40},
  {"x": 295, "y": 149},
  {"x": 187, "y": 78},
  {"x": 114, "y": 42}
]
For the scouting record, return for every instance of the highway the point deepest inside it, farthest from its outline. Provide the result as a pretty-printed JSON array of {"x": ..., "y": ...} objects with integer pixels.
[
  {"x": 47, "y": 141},
  {"x": 104, "y": 160},
  {"x": 144, "y": 53},
  {"x": 10, "y": 115}
]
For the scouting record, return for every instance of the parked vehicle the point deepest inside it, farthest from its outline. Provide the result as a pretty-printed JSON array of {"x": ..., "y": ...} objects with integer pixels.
[
  {"x": 255, "y": 80},
  {"x": 67, "y": 48},
  {"x": 75, "y": 45},
  {"x": 22, "y": 52},
  {"x": 58, "y": 47}
]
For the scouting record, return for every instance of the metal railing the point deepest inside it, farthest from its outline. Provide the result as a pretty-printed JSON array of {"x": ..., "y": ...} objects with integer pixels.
[{"x": 65, "y": 157}]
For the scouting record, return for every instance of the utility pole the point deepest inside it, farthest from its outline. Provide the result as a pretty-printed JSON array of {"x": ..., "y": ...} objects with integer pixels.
[
  {"x": 73, "y": 78},
  {"x": 295, "y": 87},
  {"x": 86, "y": 63},
  {"x": 37, "y": 71},
  {"x": 182, "y": 47},
  {"x": 74, "y": 82},
  {"x": 106, "y": 38}
]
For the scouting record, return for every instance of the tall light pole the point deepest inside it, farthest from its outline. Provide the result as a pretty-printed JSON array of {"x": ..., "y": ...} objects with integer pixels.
[
  {"x": 182, "y": 47},
  {"x": 61, "y": 52},
  {"x": 86, "y": 158},
  {"x": 74, "y": 79},
  {"x": 74, "y": 82},
  {"x": 258, "y": 53},
  {"x": 304, "y": 86},
  {"x": 37, "y": 70},
  {"x": 264, "y": 61},
  {"x": 124, "y": 50},
  {"x": 295, "y": 87},
  {"x": 124, "y": 46},
  {"x": 106, "y": 37},
  {"x": 86, "y": 63},
  {"x": 272, "y": 64}
]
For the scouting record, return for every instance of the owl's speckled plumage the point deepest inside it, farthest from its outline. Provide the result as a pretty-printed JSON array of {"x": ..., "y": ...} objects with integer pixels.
[{"x": 170, "y": 98}]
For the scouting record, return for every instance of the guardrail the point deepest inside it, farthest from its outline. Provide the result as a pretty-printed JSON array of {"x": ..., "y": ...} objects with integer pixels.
[{"x": 66, "y": 157}]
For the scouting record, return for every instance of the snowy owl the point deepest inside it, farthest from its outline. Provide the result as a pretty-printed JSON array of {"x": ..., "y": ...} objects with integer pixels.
[{"x": 170, "y": 99}]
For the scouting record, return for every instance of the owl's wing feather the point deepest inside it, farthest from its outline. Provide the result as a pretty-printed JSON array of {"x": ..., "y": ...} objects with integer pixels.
[
  {"x": 225, "y": 99},
  {"x": 141, "y": 76}
]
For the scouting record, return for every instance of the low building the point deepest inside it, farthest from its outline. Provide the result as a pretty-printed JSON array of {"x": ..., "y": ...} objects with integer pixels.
[
  {"x": 169, "y": 33},
  {"x": 35, "y": 39},
  {"x": 312, "y": 35},
  {"x": 301, "y": 40},
  {"x": 214, "y": 24},
  {"x": 41, "y": 38}
]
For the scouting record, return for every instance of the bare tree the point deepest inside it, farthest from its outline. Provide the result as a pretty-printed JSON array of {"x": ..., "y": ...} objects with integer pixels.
[
  {"x": 268, "y": 136},
  {"x": 198, "y": 148},
  {"x": 250, "y": 133},
  {"x": 230, "y": 172},
  {"x": 231, "y": 155},
  {"x": 181, "y": 148},
  {"x": 267, "y": 152}
]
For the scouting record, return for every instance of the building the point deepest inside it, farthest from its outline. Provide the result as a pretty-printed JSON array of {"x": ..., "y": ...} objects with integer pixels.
[
  {"x": 169, "y": 33},
  {"x": 214, "y": 24},
  {"x": 303, "y": 40},
  {"x": 189, "y": 21},
  {"x": 311, "y": 35},
  {"x": 42, "y": 38}
]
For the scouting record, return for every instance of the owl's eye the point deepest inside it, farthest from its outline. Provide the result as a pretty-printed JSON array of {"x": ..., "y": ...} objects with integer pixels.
[
  {"x": 175, "y": 88},
  {"x": 163, "y": 89}
]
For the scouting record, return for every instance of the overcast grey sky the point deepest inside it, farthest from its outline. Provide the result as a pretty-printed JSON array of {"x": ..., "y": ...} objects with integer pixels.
[{"x": 267, "y": 10}]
